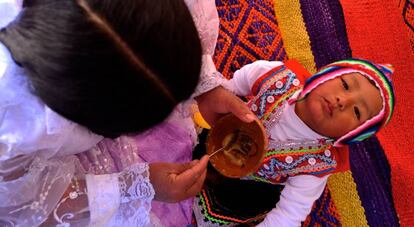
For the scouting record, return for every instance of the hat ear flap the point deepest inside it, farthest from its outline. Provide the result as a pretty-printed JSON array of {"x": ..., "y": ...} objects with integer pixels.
[{"x": 387, "y": 69}]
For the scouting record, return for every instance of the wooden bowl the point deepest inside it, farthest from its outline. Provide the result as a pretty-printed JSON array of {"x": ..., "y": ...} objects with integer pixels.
[{"x": 228, "y": 125}]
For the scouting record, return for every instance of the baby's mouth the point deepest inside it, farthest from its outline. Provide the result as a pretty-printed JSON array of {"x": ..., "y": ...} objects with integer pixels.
[{"x": 328, "y": 106}]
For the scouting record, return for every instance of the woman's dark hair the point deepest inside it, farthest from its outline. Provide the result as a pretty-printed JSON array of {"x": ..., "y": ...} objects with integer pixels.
[{"x": 114, "y": 66}]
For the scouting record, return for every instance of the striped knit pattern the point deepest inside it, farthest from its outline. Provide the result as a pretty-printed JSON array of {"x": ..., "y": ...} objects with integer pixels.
[
  {"x": 293, "y": 30},
  {"x": 380, "y": 74},
  {"x": 317, "y": 15},
  {"x": 344, "y": 205}
]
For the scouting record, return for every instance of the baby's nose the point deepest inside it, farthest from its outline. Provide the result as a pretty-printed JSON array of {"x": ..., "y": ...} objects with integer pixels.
[
  {"x": 343, "y": 102},
  {"x": 339, "y": 103}
]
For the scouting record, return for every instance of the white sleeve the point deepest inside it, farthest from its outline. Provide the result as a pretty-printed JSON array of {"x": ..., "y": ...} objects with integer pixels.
[
  {"x": 40, "y": 181},
  {"x": 8, "y": 11},
  {"x": 36, "y": 191},
  {"x": 244, "y": 78},
  {"x": 121, "y": 199},
  {"x": 27, "y": 125},
  {"x": 296, "y": 201}
]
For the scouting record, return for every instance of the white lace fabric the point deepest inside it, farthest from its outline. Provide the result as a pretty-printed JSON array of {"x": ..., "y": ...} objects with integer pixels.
[
  {"x": 37, "y": 167},
  {"x": 41, "y": 181},
  {"x": 206, "y": 19},
  {"x": 122, "y": 199},
  {"x": 136, "y": 196},
  {"x": 30, "y": 188},
  {"x": 134, "y": 183}
]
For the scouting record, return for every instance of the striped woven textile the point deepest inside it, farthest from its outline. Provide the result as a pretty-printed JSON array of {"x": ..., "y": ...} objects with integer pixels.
[{"x": 378, "y": 191}]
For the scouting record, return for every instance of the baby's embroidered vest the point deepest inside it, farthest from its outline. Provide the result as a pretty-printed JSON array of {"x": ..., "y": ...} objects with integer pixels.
[
  {"x": 289, "y": 158},
  {"x": 219, "y": 205}
]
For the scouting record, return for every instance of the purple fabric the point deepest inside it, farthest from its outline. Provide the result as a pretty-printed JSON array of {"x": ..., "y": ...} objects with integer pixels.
[
  {"x": 168, "y": 143},
  {"x": 325, "y": 24},
  {"x": 163, "y": 143},
  {"x": 371, "y": 173}
]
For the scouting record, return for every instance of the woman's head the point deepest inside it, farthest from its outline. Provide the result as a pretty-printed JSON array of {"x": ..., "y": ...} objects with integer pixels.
[{"x": 114, "y": 66}]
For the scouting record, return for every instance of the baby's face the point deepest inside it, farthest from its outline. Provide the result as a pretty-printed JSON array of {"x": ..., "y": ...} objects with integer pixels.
[{"x": 340, "y": 105}]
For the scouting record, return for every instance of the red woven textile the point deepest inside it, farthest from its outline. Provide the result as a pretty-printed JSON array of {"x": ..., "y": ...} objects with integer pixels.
[{"x": 376, "y": 31}]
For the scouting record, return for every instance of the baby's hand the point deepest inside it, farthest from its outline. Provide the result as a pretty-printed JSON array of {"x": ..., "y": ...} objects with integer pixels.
[{"x": 174, "y": 182}]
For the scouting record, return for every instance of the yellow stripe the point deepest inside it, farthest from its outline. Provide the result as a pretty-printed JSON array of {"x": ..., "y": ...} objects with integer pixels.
[
  {"x": 297, "y": 45},
  {"x": 345, "y": 196},
  {"x": 294, "y": 34}
]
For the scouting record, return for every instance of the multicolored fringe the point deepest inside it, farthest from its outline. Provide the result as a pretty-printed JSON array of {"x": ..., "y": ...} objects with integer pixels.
[{"x": 318, "y": 32}]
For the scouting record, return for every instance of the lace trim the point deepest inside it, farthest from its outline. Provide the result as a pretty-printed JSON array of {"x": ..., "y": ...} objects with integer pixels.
[
  {"x": 103, "y": 196},
  {"x": 209, "y": 77},
  {"x": 66, "y": 217},
  {"x": 136, "y": 196},
  {"x": 134, "y": 183}
]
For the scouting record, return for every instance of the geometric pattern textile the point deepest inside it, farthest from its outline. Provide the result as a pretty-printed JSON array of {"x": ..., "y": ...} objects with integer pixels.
[{"x": 248, "y": 32}]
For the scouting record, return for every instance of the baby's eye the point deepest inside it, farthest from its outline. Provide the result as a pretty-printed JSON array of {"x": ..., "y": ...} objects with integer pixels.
[
  {"x": 357, "y": 113},
  {"x": 345, "y": 84}
]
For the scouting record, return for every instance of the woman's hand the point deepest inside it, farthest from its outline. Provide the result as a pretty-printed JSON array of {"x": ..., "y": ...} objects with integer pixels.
[
  {"x": 214, "y": 103},
  {"x": 174, "y": 182}
]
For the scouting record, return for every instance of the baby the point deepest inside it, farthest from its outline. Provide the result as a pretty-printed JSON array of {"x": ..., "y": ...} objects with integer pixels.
[{"x": 309, "y": 127}]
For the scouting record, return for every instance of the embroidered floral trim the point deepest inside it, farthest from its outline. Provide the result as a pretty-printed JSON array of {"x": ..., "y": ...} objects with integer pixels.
[{"x": 284, "y": 159}]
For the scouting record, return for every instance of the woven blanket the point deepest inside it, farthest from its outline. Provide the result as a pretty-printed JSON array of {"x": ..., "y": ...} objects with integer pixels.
[{"x": 378, "y": 191}]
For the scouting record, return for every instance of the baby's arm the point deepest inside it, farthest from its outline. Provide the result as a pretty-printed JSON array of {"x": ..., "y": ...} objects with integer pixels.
[
  {"x": 296, "y": 201},
  {"x": 244, "y": 78}
]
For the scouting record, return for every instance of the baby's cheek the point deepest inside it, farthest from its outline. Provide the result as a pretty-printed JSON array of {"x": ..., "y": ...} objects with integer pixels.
[
  {"x": 350, "y": 125},
  {"x": 341, "y": 125}
]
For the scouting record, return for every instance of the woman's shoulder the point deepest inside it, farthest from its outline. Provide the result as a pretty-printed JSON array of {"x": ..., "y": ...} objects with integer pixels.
[
  {"x": 205, "y": 16},
  {"x": 4, "y": 59},
  {"x": 27, "y": 125},
  {"x": 8, "y": 11}
]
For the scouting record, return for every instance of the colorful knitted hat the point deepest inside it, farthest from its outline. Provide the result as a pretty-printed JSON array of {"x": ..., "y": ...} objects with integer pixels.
[{"x": 380, "y": 74}]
